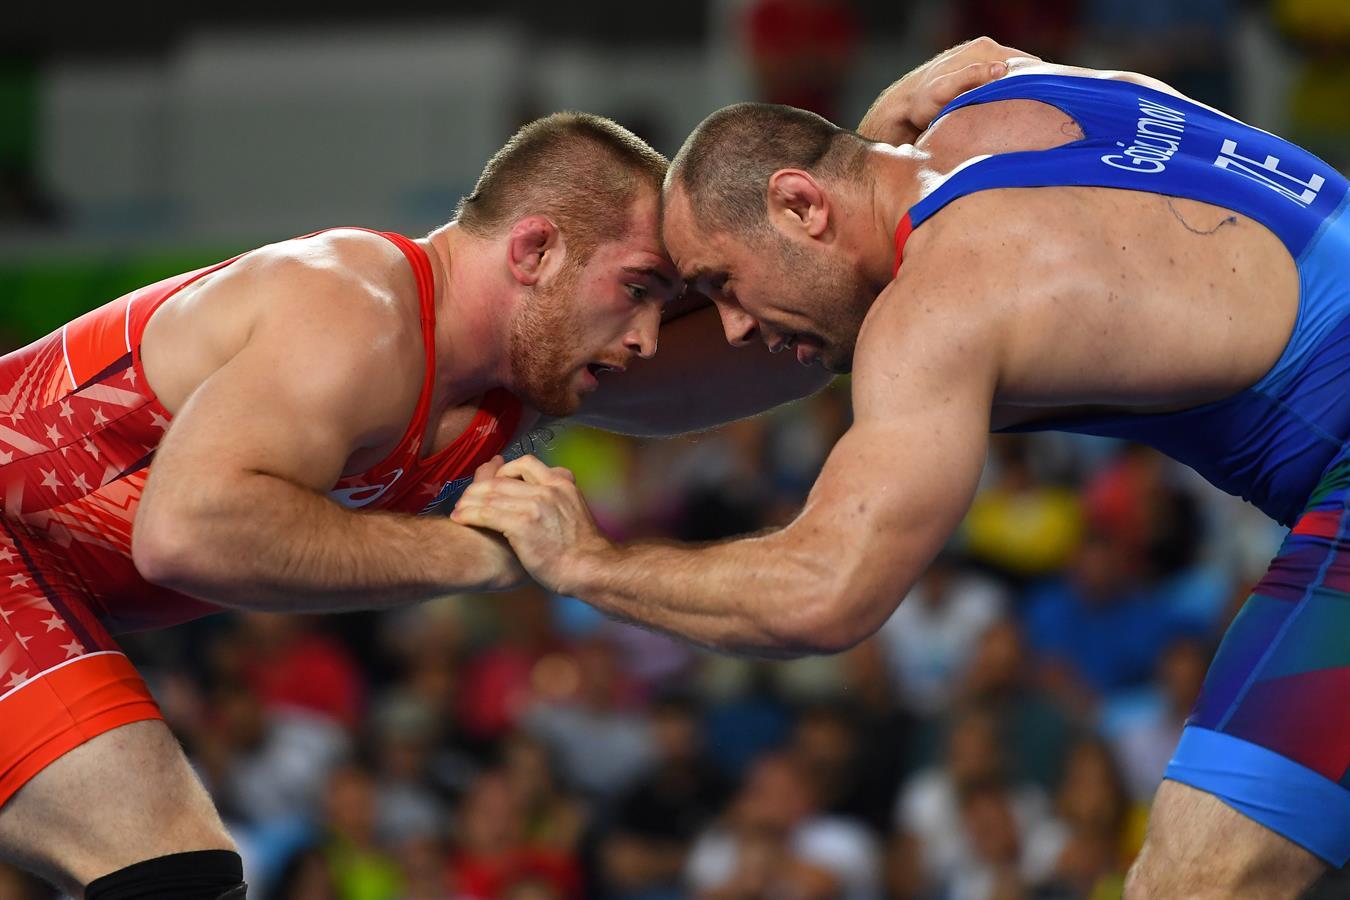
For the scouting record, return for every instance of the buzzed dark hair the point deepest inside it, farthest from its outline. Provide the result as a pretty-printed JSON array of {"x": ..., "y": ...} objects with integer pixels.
[
  {"x": 725, "y": 165},
  {"x": 581, "y": 171}
]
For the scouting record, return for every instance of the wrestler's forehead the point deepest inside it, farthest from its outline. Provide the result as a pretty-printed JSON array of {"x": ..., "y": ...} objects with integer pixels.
[
  {"x": 695, "y": 252},
  {"x": 642, "y": 244}
]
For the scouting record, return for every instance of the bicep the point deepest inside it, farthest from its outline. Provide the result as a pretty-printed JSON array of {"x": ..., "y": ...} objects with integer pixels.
[
  {"x": 696, "y": 381},
  {"x": 293, "y": 403},
  {"x": 897, "y": 484},
  {"x": 889, "y": 496}
]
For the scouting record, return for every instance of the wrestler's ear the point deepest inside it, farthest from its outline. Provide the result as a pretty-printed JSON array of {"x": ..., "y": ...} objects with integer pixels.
[
  {"x": 797, "y": 201},
  {"x": 533, "y": 246}
]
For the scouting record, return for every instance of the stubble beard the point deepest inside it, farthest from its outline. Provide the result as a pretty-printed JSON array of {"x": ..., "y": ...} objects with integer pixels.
[
  {"x": 832, "y": 294},
  {"x": 544, "y": 342}
]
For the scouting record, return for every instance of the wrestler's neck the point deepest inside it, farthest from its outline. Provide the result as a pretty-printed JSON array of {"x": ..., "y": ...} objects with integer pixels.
[
  {"x": 472, "y": 324},
  {"x": 894, "y": 186}
]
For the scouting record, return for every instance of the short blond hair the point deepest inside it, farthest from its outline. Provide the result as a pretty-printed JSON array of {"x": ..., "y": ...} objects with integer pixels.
[{"x": 582, "y": 171}]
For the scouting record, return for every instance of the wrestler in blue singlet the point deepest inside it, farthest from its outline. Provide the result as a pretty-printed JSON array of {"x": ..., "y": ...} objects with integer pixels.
[{"x": 1270, "y": 735}]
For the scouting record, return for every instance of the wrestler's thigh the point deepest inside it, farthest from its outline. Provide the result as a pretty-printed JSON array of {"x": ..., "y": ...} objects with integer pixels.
[
  {"x": 1198, "y": 847},
  {"x": 124, "y": 796}
]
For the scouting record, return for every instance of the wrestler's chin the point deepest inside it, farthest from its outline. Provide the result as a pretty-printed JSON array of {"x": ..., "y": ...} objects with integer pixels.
[{"x": 838, "y": 364}]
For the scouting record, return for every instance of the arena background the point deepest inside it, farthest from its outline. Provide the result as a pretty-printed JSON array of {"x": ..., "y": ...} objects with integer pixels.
[{"x": 1001, "y": 737}]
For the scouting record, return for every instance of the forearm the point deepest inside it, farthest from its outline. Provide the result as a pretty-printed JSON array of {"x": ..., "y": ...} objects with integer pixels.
[
  {"x": 277, "y": 546},
  {"x": 753, "y": 596}
]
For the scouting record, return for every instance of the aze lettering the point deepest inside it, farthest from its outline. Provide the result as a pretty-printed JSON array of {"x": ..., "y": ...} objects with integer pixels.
[{"x": 1235, "y": 162}]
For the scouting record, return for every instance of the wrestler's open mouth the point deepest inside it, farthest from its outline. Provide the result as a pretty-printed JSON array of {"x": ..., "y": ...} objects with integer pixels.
[{"x": 596, "y": 368}]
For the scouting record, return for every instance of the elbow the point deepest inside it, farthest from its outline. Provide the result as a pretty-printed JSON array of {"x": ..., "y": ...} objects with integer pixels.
[
  {"x": 823, "y": 623},
  {"x": 166, "y": 555}
]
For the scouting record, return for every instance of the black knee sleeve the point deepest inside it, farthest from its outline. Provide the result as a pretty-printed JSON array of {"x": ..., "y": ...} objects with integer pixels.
[{"x": 201, "y": 875}]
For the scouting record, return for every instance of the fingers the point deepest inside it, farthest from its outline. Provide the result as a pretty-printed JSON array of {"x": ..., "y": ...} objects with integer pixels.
[
  {"x": 494, "y": 518},
  {"x": 948, "y": 87},
  {"x": 986, "y": 49},
  {"x": 491, "y": 490},
  {"x": 532, "y": 470},
  {"x": 488, "y": 469}
]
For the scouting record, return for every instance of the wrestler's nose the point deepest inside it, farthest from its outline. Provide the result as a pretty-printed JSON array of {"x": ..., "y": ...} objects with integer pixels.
[
  {"x": 641, "y": 341},
  {"x": 740, "y": 327}
]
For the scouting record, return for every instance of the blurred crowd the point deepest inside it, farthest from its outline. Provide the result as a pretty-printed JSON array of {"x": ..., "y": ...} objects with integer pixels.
[{"x": 802, "y": 51}]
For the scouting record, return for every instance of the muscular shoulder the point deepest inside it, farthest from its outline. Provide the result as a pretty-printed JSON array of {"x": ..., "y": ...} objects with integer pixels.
[
  {"x": 348, "y": 301},
  {"x": 937, "y": 332},
  {"x": 347, "y": 275},
  {"x": 341, "y": 305}
]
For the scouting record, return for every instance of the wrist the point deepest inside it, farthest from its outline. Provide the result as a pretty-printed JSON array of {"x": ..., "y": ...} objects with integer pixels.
[{"x": 588, "y": 572}]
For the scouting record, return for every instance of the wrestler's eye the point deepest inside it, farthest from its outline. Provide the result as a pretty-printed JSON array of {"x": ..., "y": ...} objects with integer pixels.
[{"x": 636, "y": 291}]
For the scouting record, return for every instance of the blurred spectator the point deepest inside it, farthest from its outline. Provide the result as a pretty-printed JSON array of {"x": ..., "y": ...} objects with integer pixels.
[
  {"x": 1006, "y": 855},
  {"x": 402, "y": 735},
  {"x": 1047, "y": 28},
  {"x": 1144, "y": 728},
  {"x": 305, "y": 877},
  {"x": 601, "y": 742},
  {"x": 775, "y": 841},
  {"x": 1319, "y": 103},
  {"x": 422, "y": 861},
  {"x": 1104, "y": 829},
  {"x": 827, "y": 745},
  {"x": 291, "y": 664},
  {"x": 499, "y": 682},
  {"x": 1019, "y": 525},
  {"x": 802, "y": 51},
  {"x": 361, "y": 867},
  {"x": 747, "y": 717},
  {"x": 1138, "y": 500},
  {"x": 423, "y": 647},
  {"x": 1035, "y": 730},
  {"x": 552, "y": 817},
  {"x": 655, "y": 822},
  {"x": 266, "y": 766},
  {"x": 931, "y": 817},
  {"x": 929, "y": 639},
  {"x": 1188, "y": 45},
  {"x": 493, "y": 855},
  {"x": 1100, "y": 628},
  {"x": 801, "y": 437}
]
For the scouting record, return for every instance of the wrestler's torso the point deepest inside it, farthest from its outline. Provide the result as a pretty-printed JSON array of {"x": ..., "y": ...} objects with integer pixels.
[
  {"x": 1137, "y": 312},
  {"x": 88, "y": 406}
]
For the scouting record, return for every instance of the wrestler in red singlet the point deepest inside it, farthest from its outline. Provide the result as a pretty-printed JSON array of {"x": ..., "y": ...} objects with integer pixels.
[{"x": 79, "y": 427}]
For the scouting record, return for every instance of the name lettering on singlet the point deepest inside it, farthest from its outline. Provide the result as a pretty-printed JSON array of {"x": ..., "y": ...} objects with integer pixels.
[
  {"x": 1157, "y": 138},
  {"x": 1265, "y": 173}
]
